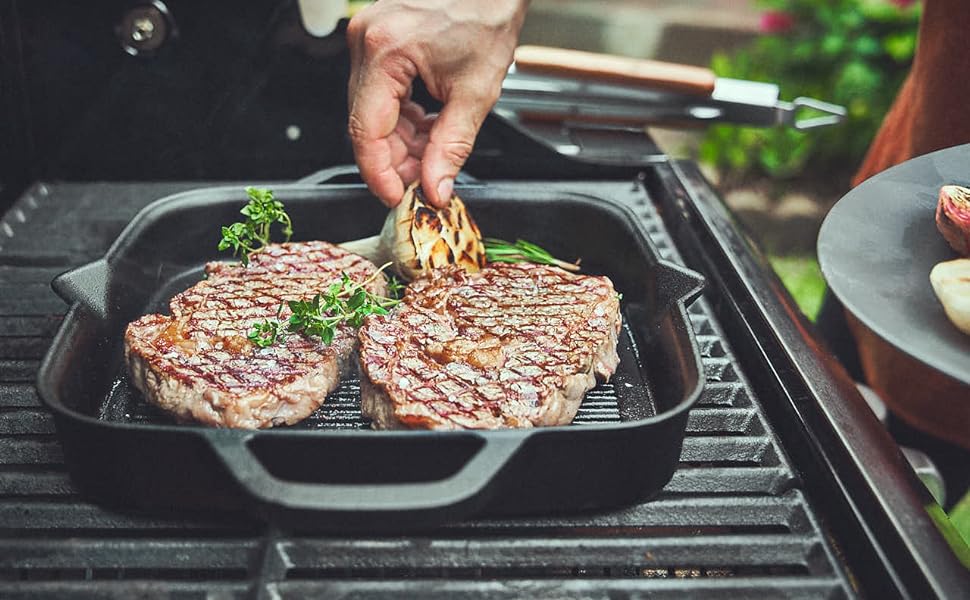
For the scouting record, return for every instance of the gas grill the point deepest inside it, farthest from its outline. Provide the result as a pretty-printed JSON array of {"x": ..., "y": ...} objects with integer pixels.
[{"x": 787, "y": 485}]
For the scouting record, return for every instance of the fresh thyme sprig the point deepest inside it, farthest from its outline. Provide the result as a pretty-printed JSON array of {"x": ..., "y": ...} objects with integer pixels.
[
  {"x": 346, "y": 301},
  {"x": 395, "y": 289},
  {"x": 267, "y": 333},
  {"x": 253, "y": 235},
  {"x": 497, "y": 250}
]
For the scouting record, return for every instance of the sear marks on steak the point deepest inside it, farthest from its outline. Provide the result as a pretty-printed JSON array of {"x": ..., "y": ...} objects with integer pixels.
[
  {"x": 198, "y": 364},
  {"x": 516, "y": 345}
]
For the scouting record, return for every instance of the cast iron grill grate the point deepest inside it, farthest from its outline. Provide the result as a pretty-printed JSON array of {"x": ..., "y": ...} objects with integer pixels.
[{"x": 732, "y": 521}]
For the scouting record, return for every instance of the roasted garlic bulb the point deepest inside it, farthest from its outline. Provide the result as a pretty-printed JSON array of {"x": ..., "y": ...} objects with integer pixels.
[{"x": 417, "y": 237}]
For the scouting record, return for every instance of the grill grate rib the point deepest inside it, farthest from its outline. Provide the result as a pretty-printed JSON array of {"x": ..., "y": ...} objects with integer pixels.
[{"x": 732, "y": 521}]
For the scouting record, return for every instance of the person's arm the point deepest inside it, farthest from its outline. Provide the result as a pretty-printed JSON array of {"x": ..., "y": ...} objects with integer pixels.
[
  {"x": 461, "y": 49},
  {"x": 929, "y": 112}
]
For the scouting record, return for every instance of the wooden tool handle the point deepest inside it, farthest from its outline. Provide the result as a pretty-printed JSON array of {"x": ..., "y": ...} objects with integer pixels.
[{"x": 685, "y": 79}]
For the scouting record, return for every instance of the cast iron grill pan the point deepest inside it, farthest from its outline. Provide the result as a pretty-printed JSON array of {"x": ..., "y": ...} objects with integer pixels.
[
  {"x": 331, "y": 471},
  {"x": 732, "y": 521}
]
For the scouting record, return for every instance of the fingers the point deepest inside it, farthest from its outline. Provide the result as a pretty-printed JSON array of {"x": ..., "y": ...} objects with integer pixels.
[
  {"x": 409, "y": 170},
  {"x": 413, "y": 126},
  {"x": 411, "y": 135},
  {"x": 374, "y": 156},
  {"x": 388, "y": 161},
  {"x": 373, "y": 122},
  {"x": 450, "y": 143},
  {"x": 462, "y": 49},
  {"x": 414, "y": 113},
  {"x": 377, "y": 88}
]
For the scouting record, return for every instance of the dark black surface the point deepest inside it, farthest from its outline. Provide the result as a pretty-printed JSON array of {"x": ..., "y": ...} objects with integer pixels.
[
  {"x": 733, "y": 521},
  {"x": 876, "y": 248},
  {"x": 401, "y": 482},
  {"x": 833, "y": 327},
  {"x": 213, "y": 102}
]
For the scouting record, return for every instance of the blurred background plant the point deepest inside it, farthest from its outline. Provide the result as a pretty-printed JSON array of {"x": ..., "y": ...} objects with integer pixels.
[
  {"x": 779, "y": 182},
  {"x": 851, "y": 52}
]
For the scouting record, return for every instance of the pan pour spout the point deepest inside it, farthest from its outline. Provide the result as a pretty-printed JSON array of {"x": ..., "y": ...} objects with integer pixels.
[{"x": 417, "y": 237}]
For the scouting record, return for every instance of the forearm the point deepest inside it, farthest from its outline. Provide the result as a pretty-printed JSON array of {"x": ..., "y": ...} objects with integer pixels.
[
  {"x": 929, "y": 112},
  {"x": 941, "y": 77}
]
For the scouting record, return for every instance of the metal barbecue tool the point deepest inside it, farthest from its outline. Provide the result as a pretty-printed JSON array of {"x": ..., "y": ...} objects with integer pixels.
[{"x": 555, "y": 84}]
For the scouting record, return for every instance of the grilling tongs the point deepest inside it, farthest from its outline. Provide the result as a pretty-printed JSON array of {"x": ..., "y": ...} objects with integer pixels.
[{"x": 558, "y": 84}]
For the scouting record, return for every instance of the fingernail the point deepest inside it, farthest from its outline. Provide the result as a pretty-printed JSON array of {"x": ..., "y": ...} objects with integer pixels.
[{"x": 445, "y": 188}]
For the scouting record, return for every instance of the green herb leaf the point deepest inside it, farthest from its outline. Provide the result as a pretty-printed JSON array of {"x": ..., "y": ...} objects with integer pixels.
[
  {"x": 266, "y": 334},
  {"x": 254, "y": 234},
  {"x": 395, "y": 289},
  {"x": 497, "y": 250},
  {"x": 345, "y": 302},
  {"x": 357, "y": 300}
]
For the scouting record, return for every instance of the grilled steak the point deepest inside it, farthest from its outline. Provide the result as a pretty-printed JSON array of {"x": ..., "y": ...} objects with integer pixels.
[
  {"x": 198, "y": 364},
  {"x": 516, "y": 345}
]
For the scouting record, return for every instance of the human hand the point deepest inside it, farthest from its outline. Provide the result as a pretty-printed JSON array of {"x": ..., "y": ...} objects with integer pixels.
[{"x": 462, "y": 50}]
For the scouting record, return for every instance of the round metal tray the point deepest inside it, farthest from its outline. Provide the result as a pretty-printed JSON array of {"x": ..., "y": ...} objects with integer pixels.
[{"x": 876, "y": 249}]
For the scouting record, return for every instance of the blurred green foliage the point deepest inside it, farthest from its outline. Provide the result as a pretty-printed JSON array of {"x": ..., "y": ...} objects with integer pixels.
[
  {"x": 851, "y": 52},
  {"x": 802, "y": 277},
  {"x": 960, "y": 517}
]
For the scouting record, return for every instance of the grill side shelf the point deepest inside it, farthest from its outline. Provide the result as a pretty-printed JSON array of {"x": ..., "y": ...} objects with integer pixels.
[
  {"x": 854, "y": 473},
  {"x": 732, "y": 521}
]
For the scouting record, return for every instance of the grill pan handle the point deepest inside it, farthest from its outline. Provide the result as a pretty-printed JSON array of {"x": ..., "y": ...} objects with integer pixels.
[
  {"x": 329, "y": 174},
  {"x": 87, "y": 284},
  {"x": 370, "y": 505}
]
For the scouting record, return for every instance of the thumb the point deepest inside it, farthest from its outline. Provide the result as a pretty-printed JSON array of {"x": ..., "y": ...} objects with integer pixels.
[{"x": 450, "y": 143}]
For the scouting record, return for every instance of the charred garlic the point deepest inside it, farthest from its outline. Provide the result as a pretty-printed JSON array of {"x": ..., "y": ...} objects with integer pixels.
[{"x": 417, "y": 237}]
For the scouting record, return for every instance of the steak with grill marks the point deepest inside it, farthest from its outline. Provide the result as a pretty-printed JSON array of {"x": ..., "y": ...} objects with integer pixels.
[
  {"x": 516, "y": 345},
  {"x": 198, "y": 364}
]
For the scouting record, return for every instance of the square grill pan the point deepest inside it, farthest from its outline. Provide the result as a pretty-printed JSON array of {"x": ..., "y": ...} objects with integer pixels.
[{"x": 331, "y": 471}]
